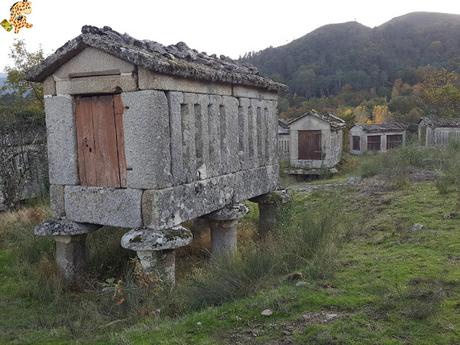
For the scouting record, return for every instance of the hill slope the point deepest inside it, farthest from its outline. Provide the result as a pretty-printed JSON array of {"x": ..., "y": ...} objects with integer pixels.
[{"x": 321, "y": 62}]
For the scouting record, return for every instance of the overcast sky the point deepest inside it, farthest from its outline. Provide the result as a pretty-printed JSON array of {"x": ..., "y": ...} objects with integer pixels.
[{"x": 222, "y": 27}]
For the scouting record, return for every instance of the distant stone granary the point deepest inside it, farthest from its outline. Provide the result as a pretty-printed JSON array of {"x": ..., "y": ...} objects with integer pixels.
[
  {"x": 146, "y": 137},
  {"x": 438, "y": 131},
  {"x": 283, "y": 141},
  {"x": 316, "y": 141},
  {"x": 377, "y": 137}
]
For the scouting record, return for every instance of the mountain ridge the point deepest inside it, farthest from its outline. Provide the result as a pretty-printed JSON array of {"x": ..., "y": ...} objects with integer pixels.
[{"x": 321, "y": 62}]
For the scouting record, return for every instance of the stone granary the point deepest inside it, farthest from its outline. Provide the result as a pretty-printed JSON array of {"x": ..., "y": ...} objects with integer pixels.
[
  {"x": 145, "y": 137},
  {"x": 377, "y": 137},
  {"x": 433, "y": 131},
  {"x": 315, "y": 142},
  {"x": 283, "y": 141}
]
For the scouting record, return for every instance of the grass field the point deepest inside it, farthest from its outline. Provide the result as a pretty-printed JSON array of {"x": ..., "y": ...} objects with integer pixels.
[{"x": 380, "y": 283}]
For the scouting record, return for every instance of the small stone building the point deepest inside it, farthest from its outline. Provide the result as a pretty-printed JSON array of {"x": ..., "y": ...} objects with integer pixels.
[
  {"x": 377, "y": 137},
  {"x": 434, "y": 131},
  {"x": 283, "y": 141},
  {"x": 316, "y": 142},
  {"x": 145, "y": 137}
]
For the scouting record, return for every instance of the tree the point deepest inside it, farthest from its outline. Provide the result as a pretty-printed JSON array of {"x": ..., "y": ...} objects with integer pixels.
[
  {"x": 26, "y": 98},
  {"x": 440, "y": 91}
]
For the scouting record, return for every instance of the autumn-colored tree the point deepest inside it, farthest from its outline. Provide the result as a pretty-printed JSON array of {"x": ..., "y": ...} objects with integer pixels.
[
  {"x": 440, "y": 91},
  {"x": 380, "y": 114}
]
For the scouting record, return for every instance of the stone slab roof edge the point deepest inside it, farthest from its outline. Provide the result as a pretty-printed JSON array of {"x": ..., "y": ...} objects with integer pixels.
[
  {"x": 383, "y": 127},
  {"x": 175, "y": 60},
  {"x": 434, "y": 121},
  {"x": 335, "y": 121}
]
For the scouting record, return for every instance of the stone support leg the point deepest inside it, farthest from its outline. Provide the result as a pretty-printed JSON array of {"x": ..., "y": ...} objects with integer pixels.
[
  {"x": 156, "y": 249},
  {"x": 224, "y": 236},
  {"x": 269, "y": 205},
  {"x": 267, "y": 218},
  {"x": 70, "y": 240},
  {"x": 161, "y": 263},
  {"x": 223, "y": 225},
  {"x": 200, "y": 230},
  {"x": 71, "y": 256}
]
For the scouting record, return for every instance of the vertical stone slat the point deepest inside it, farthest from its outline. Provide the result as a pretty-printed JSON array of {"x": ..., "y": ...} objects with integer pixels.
[
  {"x": 215, "y": 103},
  {"x": 253, "y": 133},
  {"x": 272, "y": 132},
  {"x": 243, "y": 123},
  {"x": 188, "y": 136},
  {"x": 231, "y": 149},
  {"x": 175, "y": 100},
  {"x": 202, "y": 137}
]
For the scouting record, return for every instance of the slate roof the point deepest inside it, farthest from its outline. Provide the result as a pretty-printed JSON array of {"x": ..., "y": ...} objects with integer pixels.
[
  {"x": 283, "y": 127},
  {"x": 439, "y": 122},
  {"x": 384, "y": 127},
  {"x": 336, "y": 122},
  {"x": 177, "y": 60}
]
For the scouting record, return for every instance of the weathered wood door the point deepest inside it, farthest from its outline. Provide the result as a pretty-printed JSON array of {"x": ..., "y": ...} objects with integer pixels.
[
  {"x": 394, "y": 141},
  {"x": 374, "y": 142},
  {"x": 309, "y": 144},
  {"x": 101, "y": 153}
]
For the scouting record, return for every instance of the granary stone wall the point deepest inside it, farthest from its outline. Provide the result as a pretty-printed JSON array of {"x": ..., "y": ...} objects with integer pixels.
[
  {"x": 441, "y": 136},
  {"x": 187, "y": 154}
]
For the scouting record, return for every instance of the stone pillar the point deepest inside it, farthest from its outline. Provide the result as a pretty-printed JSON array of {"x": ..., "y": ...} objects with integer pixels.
[
  {"x": 223, "y": 224},
  {"x": 160, "y": 263},
  {"x": 200, "y": 229},
  {"x": 70, "y": 240},
  {"x": 268, "y": 210},
  {"x": 71, "y": 255},
  {"x": 156, "y": 249}
]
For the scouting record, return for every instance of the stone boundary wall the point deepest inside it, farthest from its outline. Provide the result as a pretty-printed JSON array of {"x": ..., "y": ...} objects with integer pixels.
[{"x": 27, "y": 143}]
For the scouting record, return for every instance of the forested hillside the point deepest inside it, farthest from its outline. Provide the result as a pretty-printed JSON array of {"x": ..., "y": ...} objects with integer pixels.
[{"x": 323, "y": 61}]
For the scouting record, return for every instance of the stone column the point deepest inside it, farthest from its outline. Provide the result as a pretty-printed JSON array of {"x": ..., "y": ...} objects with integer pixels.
[
  {"x": 223, "y": 224},
  {"x": 268, "y": 210},
  {"x": 200, "y": 229},
  {"x": 156, "y": 249},
  {"x": 70, "y": 240}
]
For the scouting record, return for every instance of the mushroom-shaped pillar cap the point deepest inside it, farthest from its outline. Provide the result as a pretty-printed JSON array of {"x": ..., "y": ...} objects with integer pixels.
[
  {"x": 63, "y": 227},
  {"x": 230, "y": 212},
  {"x": 146, "y": 239}
]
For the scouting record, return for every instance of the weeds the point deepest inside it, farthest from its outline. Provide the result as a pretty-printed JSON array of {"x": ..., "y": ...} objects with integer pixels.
[{"x": 304, "y": 239}]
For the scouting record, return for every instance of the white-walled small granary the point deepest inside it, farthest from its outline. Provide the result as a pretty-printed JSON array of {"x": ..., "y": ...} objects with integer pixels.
[
  {"x": 145, "y": 136},
  {"x": 316, "y": 142},
  {"x": 377, "y": 137},
  {"x": 435, "y": 131}
]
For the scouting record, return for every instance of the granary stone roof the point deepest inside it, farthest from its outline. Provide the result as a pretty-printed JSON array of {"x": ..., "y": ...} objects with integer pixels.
[
  {"x": 177, "y": 60},
  {"x": 439, "y": 122},
  {"x": 384, "y": 127},
  {"x": 336, "y": 122}
]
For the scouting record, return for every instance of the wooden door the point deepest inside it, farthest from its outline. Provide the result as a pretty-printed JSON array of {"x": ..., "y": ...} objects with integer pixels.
[
  {"x": 394, "y": 141},
  {"x": 309, "y": 144},
  {"x": 356, "y": 143},
  {"x": 374, "y": 142},
  {"x": 101, "y": 154}
]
